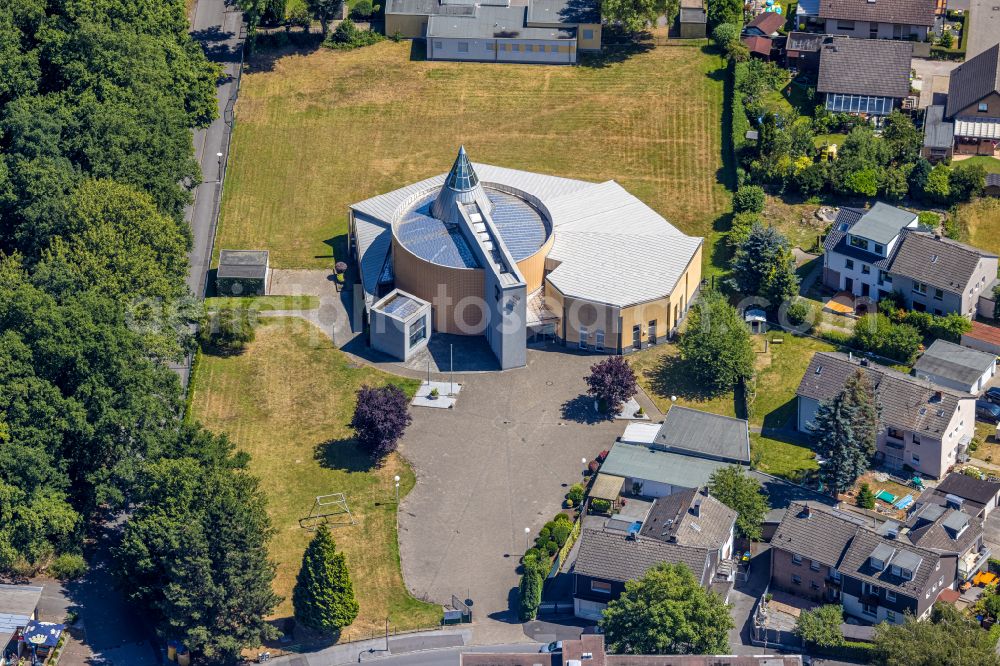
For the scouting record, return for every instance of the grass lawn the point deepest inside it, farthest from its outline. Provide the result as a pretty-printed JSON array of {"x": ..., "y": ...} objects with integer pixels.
[
  {"x": 782, "y": 458},
  {"x": 661, "y": 374},
  {"x": 991, "y": 164},
  {"x": 317, "y": 131},
  {"x": 821, "y": 140},
  {"x": 788, "y": 218},
  {"x": 981, "y": 218},
  {"x": 265, "y": 303},
  {"x": 287, "y": 401}
]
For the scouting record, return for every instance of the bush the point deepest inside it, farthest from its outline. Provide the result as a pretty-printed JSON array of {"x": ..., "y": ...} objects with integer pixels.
[
  {"x": 68, "y": 566},
  {"x": 575, "y": 493},
  {"x": 562, "y": 518},
  {"x": 749, "y": 198},
  {"x": 227, "y": 330},
  {"x": 348, "y": 36},
  {"x": 876, "y": 333},
  {"x": 543, "y": 535},
  {"x": 551, "y": 547},
  {"x": 598, "y": 505},
  {"x": 362, "y": 10},
  {"x": 739, "y": 231},
  {"x": 797, "y": 312},
  {"x": 561, "y": 533}
]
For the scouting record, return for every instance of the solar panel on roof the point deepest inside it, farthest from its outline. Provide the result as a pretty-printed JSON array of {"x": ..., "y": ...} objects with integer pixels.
[
  {"x": 433, "y": 240},
  {"x": 401, "y": 306},
  {"x": 521, "y": 227}
]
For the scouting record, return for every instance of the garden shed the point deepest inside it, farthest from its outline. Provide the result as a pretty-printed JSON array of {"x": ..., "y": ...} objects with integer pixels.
[{"x": 243, "y": 273}]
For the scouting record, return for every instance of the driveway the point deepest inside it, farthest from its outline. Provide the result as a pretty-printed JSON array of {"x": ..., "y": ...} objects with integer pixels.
[
  {"x": 984, "y": 26},
  {"x": 743, "y": 598},
  {"x": 934, "y": 75},
  {"x": 498, "y": 462}
]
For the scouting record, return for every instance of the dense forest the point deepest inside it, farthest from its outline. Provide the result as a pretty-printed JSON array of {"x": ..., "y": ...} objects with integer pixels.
[{"x": 97, "y": 102}]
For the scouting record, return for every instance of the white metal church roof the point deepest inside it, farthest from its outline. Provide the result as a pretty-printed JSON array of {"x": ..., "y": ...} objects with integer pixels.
[{"x": 611, "y": 247}]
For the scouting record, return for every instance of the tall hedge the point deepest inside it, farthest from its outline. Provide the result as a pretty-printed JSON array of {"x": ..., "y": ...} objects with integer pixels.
[
  {"x": 740, "y": 123},
  {"x": 531, "y": 594}
]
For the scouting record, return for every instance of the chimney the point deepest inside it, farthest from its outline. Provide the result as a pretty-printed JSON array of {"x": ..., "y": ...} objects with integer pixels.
[
  {"x": 806, "y": 511},
  {"x": 937, "y": 397},
  {"x": 850, "y": 356},
  {"x": 696, "y": 507},
  {"x": 705, "y": 491}
]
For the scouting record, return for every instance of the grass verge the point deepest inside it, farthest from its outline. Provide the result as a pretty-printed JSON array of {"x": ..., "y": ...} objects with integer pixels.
[
  {"x": 287, "y": 401},
  {"x": 264, "y": 303}
]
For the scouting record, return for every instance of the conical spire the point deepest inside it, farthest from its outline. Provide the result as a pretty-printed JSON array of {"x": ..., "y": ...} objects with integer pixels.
[
  {"x": 462, "y": 176},
  {"x": 461, "y": 186}
]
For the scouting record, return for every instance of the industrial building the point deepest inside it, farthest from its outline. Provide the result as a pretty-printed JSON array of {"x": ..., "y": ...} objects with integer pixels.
[{"x": 513, "y": 255}]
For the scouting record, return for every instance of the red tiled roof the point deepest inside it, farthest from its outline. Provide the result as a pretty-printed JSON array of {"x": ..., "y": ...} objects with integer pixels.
[
  {"x": 985, "y": 332},
  {"x": 767, "y": 22},
  {"x": 760, "y": 45}
]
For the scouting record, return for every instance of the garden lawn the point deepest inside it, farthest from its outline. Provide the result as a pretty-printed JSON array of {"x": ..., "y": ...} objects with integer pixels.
[
  {"x": 287, "y": 401},
  {"x": 264, "y": 303},
  {"x": 981, "y": 219},
  {"x": 317, "y": 131},
  {"x": 991, "y": 164},
  {"x": 661, "y": 374}
]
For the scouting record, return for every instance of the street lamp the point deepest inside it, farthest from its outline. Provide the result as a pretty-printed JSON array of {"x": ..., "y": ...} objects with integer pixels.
[
  {"x": 583, "y": 461},
  {"x": 219, "y": 155},
  {"x": 396, "y": 479},
  {"x": 527, "y": 531}
]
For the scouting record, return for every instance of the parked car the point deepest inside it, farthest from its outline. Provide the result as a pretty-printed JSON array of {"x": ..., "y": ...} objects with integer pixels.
[
  {"x": 993, "y": 395},
  {"x": 555, "y": 647},
  {"x": 987, "y": 411}
]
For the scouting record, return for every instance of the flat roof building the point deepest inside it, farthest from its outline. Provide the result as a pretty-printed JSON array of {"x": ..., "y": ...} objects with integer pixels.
[
  {"x": 243, "y": 273},
  {"x": 509, "y": 254}
]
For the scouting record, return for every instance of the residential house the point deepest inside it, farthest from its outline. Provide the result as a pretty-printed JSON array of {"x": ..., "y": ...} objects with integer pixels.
[
  {"x": 860, "y": 246},
  {"x": 525, "y": 31},
  {"x": 765, "y": 24},
  {"x": 878, "y": 19},
  {"x": 589, "y": 649},
  {"x": 878, "y": 572},
  {"x": 922, "y": 426},
  {"x": 868, "y": 77},
  {"x": 974, "y": 104},
  {"x": 688, "y": 527},
  {"x": 18, "y": 607},
  {"x": 956, "y": 367},
  {"x": 681, "y": 453},
  {"x": 802, "y": 51},
  {"x": 873, "y": 253},
  {"x": 693, "y": 20},
  {"x": 807, "y": 548},
  {"x": 976, "y": 497}
]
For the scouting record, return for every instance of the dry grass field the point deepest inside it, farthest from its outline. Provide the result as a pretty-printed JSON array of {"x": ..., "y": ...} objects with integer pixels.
[
  {"x": 981, "y": 218},
  {"x": 317, "y": 131},
  {"x": 287, "y": 401}
]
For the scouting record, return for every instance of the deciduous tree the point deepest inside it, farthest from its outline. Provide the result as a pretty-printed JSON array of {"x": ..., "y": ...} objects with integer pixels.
[
  {"x": 716, "y": 344},
  {"x": 820, "y": 627},
  {"x": 380, "y": 418},
  {"x": 744, "y": 495},
  {"x": 667, "y": 611},
  {"x": 612, "y": 383},
  {"x": 948, "y": 639}
]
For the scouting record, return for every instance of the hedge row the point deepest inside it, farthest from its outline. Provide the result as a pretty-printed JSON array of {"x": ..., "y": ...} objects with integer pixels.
[{"x": 740, "y": 123}]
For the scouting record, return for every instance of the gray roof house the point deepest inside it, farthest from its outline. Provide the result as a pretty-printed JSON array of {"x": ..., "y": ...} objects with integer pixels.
[
  {"x": 705, "y": 435},
  {"x": 976, "y": 497},
  {"x": 878, "y": 19},
  {"x": 18, "y": 606},
  {"x": 652, "y": 472},
  {"x": 873, "y": 253},
  {"x": 878, "y": 572},
  {"x": 955, "y": 366},
  {"x": 922, "y": 426},
  {"x": 689, "y": 527},
  {"x": 974, "y": 104},
  {"x": 864, "y": 76}
]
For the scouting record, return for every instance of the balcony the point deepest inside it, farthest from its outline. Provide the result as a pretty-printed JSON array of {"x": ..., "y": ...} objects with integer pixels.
[{"x": 970, "y": 563}]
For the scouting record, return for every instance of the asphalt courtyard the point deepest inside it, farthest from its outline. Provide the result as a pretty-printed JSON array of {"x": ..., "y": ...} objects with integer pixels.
[{"x": 500, "y": 461}]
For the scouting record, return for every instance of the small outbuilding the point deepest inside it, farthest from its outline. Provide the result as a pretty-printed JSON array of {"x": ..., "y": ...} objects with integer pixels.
[
  {"x": 693, "y": 20},
  {"x": 955, "y": 366},
  {"x": 756, "y": 320},
  {"x": 243, "y": 273},
  {"x": 399, "y": 324},
  {"x": 18, "y": 608},
  {"x": 992, "y": 185},
  {"x": 983, "y": 337}
]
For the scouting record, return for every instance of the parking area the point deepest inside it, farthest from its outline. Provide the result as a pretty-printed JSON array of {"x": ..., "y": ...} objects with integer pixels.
[
  {"x": 497, "y": 463},
  {"x": 934, "y": 76}
]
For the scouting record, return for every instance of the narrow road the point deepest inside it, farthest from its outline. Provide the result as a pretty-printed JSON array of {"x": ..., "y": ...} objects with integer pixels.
[{"x": 218, "y": 26}]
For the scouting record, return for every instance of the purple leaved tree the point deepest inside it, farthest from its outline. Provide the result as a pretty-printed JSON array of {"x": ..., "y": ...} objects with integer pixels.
[
  {"x": 380, "y": 419},
  {"x": 612, "y": 383}
]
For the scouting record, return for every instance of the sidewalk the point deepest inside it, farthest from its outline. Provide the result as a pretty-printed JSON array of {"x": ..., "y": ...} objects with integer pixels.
[{"x": 352, "y": 653}]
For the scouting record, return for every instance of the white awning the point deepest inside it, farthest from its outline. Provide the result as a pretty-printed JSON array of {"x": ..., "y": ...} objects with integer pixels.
[{"x": 980, "y": 129}]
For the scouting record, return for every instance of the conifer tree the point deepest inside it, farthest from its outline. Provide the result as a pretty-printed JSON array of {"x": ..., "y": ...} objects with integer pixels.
[
  {"x": 846, "y": 428},
  {"x": 323, "y": 598}
]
